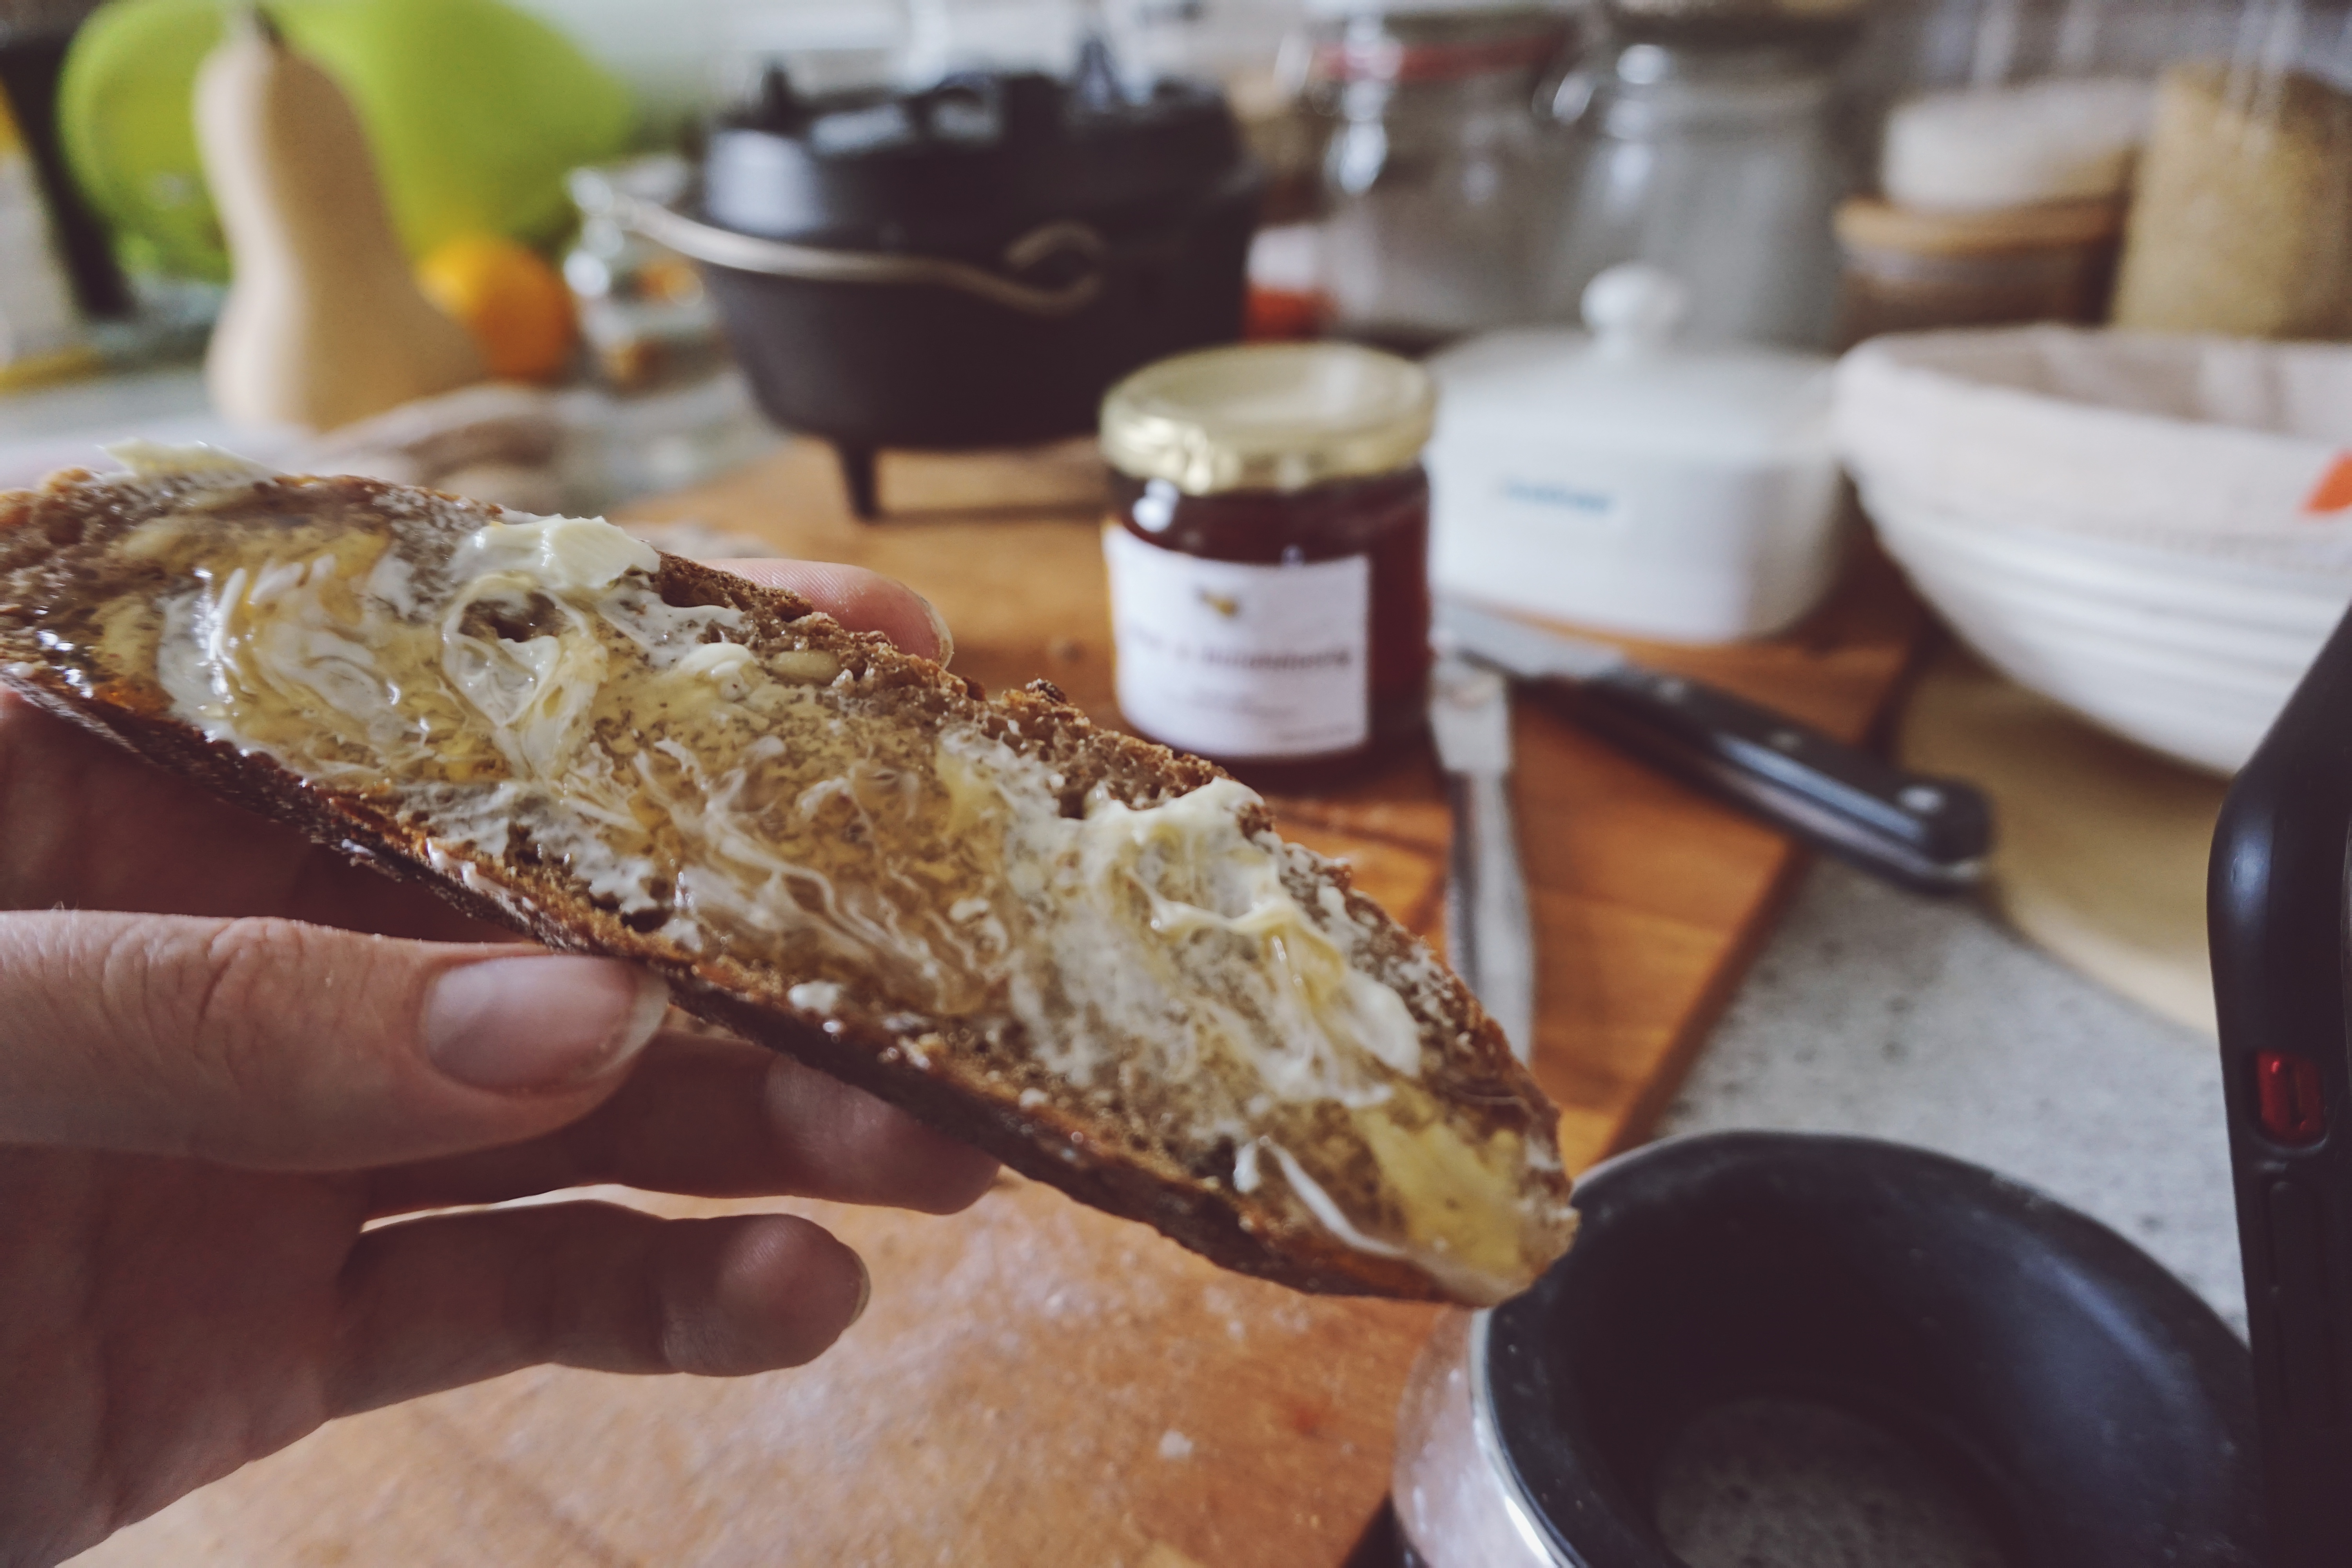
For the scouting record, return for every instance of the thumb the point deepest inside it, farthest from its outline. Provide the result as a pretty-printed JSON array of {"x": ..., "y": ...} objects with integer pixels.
[{"x": 273, "y": 1044}]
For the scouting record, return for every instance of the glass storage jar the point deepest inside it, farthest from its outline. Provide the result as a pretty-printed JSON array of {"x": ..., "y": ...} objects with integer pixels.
[
  {"x": 1720, "y": 166},
  {"x": 1439, "y": 175},
  {"x": 1268, "y": 549}
]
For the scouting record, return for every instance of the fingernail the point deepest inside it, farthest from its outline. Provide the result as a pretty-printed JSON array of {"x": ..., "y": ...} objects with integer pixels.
[
  {"x": 939, "y": 630},
  {"x": 865, "y": 1293},
  {"x": 540, "y": 1023}
]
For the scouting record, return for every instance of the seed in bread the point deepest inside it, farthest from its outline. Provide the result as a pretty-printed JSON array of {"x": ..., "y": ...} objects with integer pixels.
[{"x": 1087, "y": 954}]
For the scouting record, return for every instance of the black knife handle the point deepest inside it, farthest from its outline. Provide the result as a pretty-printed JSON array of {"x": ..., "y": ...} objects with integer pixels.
[{"x": 1931, "y": 834}]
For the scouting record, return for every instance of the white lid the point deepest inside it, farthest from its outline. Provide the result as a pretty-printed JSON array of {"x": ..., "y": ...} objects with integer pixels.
[
  {"x": 1626, "y": 384},
  {"x": 2065, "y": 140}
]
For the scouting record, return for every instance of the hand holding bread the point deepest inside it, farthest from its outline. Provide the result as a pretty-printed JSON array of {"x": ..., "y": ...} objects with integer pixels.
[
  {"x": 1085, "y": 954},
  {"x": 229, "y": 1044}
]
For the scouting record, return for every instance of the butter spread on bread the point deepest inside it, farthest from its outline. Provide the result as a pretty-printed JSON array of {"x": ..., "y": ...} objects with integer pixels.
[{"x": 1087, "y": 954}]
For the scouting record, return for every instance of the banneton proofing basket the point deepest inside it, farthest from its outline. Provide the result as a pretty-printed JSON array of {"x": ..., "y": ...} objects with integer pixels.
[
  {"x": 2093, "y": 1409},
  {"x": 2155, "y": 529},
  {"x": 973, "y": 265}
]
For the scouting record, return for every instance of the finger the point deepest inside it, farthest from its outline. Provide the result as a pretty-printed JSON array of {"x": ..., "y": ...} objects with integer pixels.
[
  {"x": 433, "y": 1303},
  {"x": 861, "y": 600},
  {"x": 273, "y": 1044},
  {"x": 716, "y": 1118}
]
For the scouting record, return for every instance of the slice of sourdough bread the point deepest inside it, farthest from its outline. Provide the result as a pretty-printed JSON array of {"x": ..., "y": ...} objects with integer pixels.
[{"x": 1086, "y": 955}]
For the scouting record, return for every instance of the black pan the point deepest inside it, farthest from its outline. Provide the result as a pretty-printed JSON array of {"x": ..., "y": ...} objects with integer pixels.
[{"x": 2093, "y": 1409}]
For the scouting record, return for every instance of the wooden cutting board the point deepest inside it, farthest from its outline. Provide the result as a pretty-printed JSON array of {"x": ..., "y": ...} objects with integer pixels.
[
  {"x": 2103, "y": 844},
  {"x": 1037, "y": 1383}
]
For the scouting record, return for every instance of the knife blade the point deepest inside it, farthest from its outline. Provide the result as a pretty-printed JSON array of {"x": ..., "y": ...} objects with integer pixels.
[
  {"x": 1489, "y": 936},
  {"x": 1926, "y": 833}
]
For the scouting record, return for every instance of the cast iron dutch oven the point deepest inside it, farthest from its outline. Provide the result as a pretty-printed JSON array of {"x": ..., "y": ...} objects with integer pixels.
[{"x": 973, "y": 265}]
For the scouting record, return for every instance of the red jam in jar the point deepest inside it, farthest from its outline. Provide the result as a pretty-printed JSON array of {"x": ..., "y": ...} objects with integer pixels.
[{"x": 1269, "y": 555}]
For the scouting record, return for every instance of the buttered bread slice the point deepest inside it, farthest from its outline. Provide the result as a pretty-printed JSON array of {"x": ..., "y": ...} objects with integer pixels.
[{"x": 1086, "y": 955}]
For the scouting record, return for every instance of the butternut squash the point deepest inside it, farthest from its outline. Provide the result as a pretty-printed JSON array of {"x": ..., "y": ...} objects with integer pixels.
[{"x": 324, "y": 323}]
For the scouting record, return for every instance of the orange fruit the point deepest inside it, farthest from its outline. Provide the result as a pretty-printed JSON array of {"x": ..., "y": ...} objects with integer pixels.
[{"x": 517, "y": 306}]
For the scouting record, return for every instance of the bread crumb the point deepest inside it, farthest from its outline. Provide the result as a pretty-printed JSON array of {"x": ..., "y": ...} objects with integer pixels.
[{"x": 1174, "y": 1445}]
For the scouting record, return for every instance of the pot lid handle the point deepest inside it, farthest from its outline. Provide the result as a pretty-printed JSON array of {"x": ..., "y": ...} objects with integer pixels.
[
  {"x": 780, "y": 258},
  {"x": 1635, "y": 307}
]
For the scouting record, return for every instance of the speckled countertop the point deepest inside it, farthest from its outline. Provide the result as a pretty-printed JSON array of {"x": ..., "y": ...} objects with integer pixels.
[{"x": 1877, "y": 1012}]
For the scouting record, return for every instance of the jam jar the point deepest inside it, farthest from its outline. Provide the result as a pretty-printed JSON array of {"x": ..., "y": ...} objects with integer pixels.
[{"x": 1269, "y": 555}]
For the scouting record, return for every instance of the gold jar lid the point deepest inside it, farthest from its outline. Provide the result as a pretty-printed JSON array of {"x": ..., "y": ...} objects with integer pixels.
[{"x": 1269, "y": 417}]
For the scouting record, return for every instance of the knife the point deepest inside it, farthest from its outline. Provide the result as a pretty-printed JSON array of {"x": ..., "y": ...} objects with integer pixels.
[
  {"x": 1930, "y": 833},
  {"x": 1488, "y": 935}
]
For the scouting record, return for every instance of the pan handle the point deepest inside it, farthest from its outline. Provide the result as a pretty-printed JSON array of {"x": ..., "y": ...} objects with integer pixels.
[
  {"x": 780, "y": 258},
  {"x": 2276, "y": 915}
]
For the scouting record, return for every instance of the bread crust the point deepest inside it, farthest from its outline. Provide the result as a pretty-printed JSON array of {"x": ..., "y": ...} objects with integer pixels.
[{"x": 59, "y": 526}]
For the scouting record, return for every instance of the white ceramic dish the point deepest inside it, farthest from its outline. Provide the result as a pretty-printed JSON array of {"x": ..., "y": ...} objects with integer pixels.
[
  {"x": 2148, "y": 529},
  {"x": 2187, "y": 655},
  {"x": 1618, "y": 481}
]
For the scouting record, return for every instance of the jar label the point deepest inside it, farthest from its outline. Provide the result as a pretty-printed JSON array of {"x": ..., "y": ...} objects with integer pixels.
[{"x": 1242, "y": 661}]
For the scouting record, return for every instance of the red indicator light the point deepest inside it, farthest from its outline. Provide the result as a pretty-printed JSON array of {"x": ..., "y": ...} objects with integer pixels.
[{"x": 2288, "y": 1089}]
